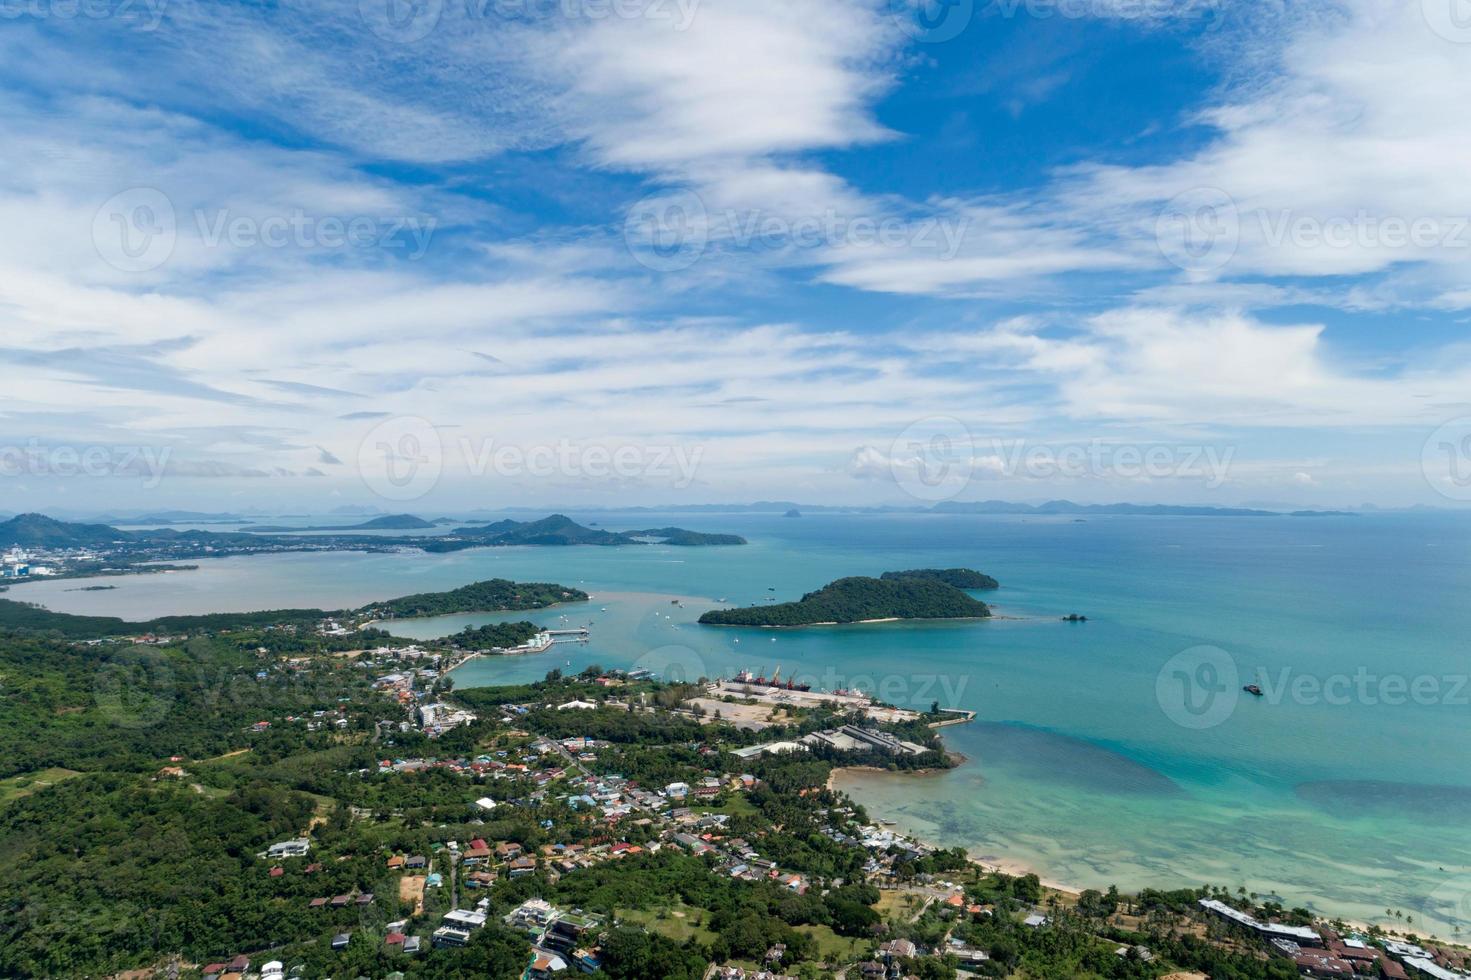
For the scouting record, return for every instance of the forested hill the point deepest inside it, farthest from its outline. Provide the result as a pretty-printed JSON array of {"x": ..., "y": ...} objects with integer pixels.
[
  {"x": 38, "y": 531},
  {"x": 961, "y": 578},
  {"x": 559, "y": 529},
  {"x": 488, "y": 596},
  {"x": 388, "y": 522},
  {"x": 857, "y": 599}
]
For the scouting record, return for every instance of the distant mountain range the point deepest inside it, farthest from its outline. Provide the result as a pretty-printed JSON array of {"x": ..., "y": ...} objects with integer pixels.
[
  {"x": 40, "y": 531},
  {"x": 559, "y": 529},
  {"x": 1054, "y": 507},
  {"x": 390, "y": 522},
  {"x": 1066, "y": 507}
]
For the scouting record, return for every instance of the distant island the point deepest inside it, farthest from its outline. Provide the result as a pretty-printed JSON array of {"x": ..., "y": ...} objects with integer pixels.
[
  {"x": 559, "y": 529},
  {"x": 71, "y": 550},
  {"x": 390, "y": 522},
  {"x": 997, "y": 507},
  {"x": 685, "y": 538},
  {"x": 860, "y": 599},
  {"x": 961, "y": 578}
]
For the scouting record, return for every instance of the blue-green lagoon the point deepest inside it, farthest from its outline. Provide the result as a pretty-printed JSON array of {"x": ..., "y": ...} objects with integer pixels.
[{"x": 1120, "y": 750}]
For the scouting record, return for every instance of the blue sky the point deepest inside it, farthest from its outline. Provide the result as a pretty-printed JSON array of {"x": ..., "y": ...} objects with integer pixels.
[{"x": 450, "y": 254}]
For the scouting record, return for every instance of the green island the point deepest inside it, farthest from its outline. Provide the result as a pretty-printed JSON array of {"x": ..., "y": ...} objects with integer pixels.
[
  {"x": 261, "y": 794},
  {"x": 858, "y": 599},
  {"x": 558, "y": 529},
  {"x": 961, "y": 578},
  {"x": 388, "y": 522},
  {"x": 488, "y": 596}
]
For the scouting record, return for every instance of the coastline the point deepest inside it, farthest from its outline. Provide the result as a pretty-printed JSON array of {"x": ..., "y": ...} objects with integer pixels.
[
  {"x": 987, "y": 863},
  {"x": 1016, "y": 868}
]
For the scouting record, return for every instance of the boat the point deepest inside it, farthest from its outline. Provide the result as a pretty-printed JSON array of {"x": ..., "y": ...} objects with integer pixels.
[
  {"x": 746, "y": 677},
  {"x": 1253, "y": 689}
]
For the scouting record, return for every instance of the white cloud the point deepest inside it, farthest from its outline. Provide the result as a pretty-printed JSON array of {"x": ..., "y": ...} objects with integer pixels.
[{"x": 1337, "y": 154}]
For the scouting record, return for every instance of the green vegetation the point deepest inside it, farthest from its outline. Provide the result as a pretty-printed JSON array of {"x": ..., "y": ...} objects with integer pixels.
[
  {"x": 139, "y": 790},
  {"x": 961, "y": 578},
  {"x": 118, "y": 549},
  {"x": 40, "y": 531},
  {"x": 856, "y": 599},
  {"x": 25, "y": 616},
  {"x": 23, "y": 785},
  {"x": 490, "y": 595},
  {"x": 558, "y": 529},
  {"x": 389, "y": 522},
  {"x": 685, "y": 538},
  {"x": 494, "y": 635}
]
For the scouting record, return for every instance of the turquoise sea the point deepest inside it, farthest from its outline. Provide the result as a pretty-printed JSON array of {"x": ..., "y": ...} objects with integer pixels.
[{"x": 1113, "y": 751}]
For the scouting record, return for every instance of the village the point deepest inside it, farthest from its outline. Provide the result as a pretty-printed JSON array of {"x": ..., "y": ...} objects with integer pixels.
[{"x": 535, "y": 757}]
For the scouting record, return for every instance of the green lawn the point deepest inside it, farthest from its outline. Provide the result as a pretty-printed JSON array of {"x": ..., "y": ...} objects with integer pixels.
[
  {"x": 27, "y": 783},
  {"x": 736, "y": 805},
  {"x": 674, "y": 922},
  {"x": 833, "y": 946}
]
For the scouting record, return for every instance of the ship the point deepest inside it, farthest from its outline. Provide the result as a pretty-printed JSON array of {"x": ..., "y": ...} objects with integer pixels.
[{"x": 746, "y": 677}]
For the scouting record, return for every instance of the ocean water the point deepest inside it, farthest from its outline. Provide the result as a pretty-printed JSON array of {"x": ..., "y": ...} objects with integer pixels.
[{"x": 1117, "y": 751}]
